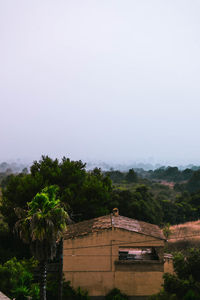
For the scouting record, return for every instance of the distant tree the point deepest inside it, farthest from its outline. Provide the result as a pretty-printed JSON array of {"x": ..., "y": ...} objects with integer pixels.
[
  {"x": 19, "y": 190},
  {"x": 138, "y": 204},
  {"x": 158, "y": 173},
  {"x": 178, "y": 187},
  {"x": 171, "y": 174},
  {"x": 178, "y": 211},
  {"x": 115, "y": 175},
  {"x": 131, "y": 176},
  {"x": 94, "y": 196},
  {"x": 193, "y": 184},
  {"x": 187, "y": 174},
  {"x": 25, "y": 171},
  {"x": 4, "y": 166}
]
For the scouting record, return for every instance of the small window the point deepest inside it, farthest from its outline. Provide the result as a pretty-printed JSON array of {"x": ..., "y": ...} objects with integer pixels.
[{"x": 137, "y": 254}]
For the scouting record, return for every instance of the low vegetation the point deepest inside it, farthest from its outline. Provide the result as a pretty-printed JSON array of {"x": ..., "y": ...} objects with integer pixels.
[
  {"x": 116, "y": 294},
  {"x": 185, "y": 283},
  {"x": 17, "y": 280}
]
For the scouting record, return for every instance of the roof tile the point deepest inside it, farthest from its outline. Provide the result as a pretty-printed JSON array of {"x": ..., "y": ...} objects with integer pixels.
[{"x": 109, "y": 221}]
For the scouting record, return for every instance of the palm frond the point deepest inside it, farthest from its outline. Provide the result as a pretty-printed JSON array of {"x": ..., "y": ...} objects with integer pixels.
[{"x": 43, "y": 224}]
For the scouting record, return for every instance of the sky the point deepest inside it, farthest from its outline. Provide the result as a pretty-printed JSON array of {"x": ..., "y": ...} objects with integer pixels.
[{"x": 100, "y": 80}]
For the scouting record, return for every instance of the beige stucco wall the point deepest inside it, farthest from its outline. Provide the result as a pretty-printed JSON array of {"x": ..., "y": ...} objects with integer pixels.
[
  {"x": 139, "y": 283},
  {"x": 90, "y": 262}
]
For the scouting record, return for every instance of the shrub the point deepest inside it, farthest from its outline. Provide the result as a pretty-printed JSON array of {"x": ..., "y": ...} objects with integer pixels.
[
  {"x": 69, "y": 293},
  {"x": 184, "y": 284},
  {"x": 116, "y": 294},
  {"x": 16, "y": 279}
]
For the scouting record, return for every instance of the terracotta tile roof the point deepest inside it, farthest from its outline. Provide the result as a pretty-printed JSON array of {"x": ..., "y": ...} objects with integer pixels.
[
  {"x": 3, "y": 297},
  {"x": 109, "y": 221}
]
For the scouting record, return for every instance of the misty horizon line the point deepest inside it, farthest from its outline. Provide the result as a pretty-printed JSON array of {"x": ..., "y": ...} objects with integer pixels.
[{"x": 105, "y": 165}]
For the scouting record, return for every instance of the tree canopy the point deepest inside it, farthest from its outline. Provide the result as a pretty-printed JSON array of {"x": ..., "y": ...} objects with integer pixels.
[{"x": 85, "y": 194}]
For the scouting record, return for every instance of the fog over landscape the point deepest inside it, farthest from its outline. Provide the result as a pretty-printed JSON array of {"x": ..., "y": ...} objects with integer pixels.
[{"x": 103, "y": 81}]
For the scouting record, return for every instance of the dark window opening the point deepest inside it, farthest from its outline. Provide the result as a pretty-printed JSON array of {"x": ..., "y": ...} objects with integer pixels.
[{"x": 138, "y": 254}]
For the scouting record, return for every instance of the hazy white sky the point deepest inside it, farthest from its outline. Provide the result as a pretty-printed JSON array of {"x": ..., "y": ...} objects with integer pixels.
[{"x": 100, "y": 79}]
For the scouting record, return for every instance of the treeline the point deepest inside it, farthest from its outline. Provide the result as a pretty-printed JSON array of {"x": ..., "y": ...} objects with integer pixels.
[
  {"x": 7, "y": 169},
  {"x": 12, "y": 167},
  {"x": 158, "y": 204},
  {"x": 170, "y": 174},
  {"x": 117, "y": 176}
]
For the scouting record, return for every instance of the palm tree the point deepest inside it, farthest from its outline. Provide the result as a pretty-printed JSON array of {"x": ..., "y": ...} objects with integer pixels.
[{"x": 42, "y": 226}]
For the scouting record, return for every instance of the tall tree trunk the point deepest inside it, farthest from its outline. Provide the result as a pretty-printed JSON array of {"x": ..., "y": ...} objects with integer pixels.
[
  {"x": 43, "y": 280},
  {"x": 60, "y": 274}
]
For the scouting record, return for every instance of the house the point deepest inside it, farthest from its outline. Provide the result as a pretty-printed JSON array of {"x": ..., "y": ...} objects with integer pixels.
[{"x": 114, "y": 251}]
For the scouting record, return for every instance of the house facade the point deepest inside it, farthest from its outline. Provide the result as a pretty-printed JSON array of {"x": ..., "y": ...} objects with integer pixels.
[{"x": 114, "y": 252}]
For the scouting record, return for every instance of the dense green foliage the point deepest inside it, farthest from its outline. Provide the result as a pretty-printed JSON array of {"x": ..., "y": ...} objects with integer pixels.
[
  {"x": 131, "y": 176},
  {"x": 10, "y": 246},
  {"x": 80, "y": 191},
  {"x": 68, "y": 292},
  {"x": 138, "y": 204},
  {"x": 16, "y": 279},
  {"x": 170, "y": 174},
  {"x": 90, "y": 194},
  {"x": 84, "y": 194},
  {"x": 169, "y": 205},
  {"x": 185, "y": 283},
  {"x": 193, "y": 184},
  {"x": 117, "y": 176},
  {"x": 156, "y": 203}
]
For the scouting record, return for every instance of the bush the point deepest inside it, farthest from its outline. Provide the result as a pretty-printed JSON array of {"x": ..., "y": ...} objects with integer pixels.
[
  {"x": 16, "y": 279},
  {"x": 115, "y": 294},
  {"x": 163, "y": 296},
  {"x": 69, "y": 293},
  {"x": 184, "y": 284}
]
